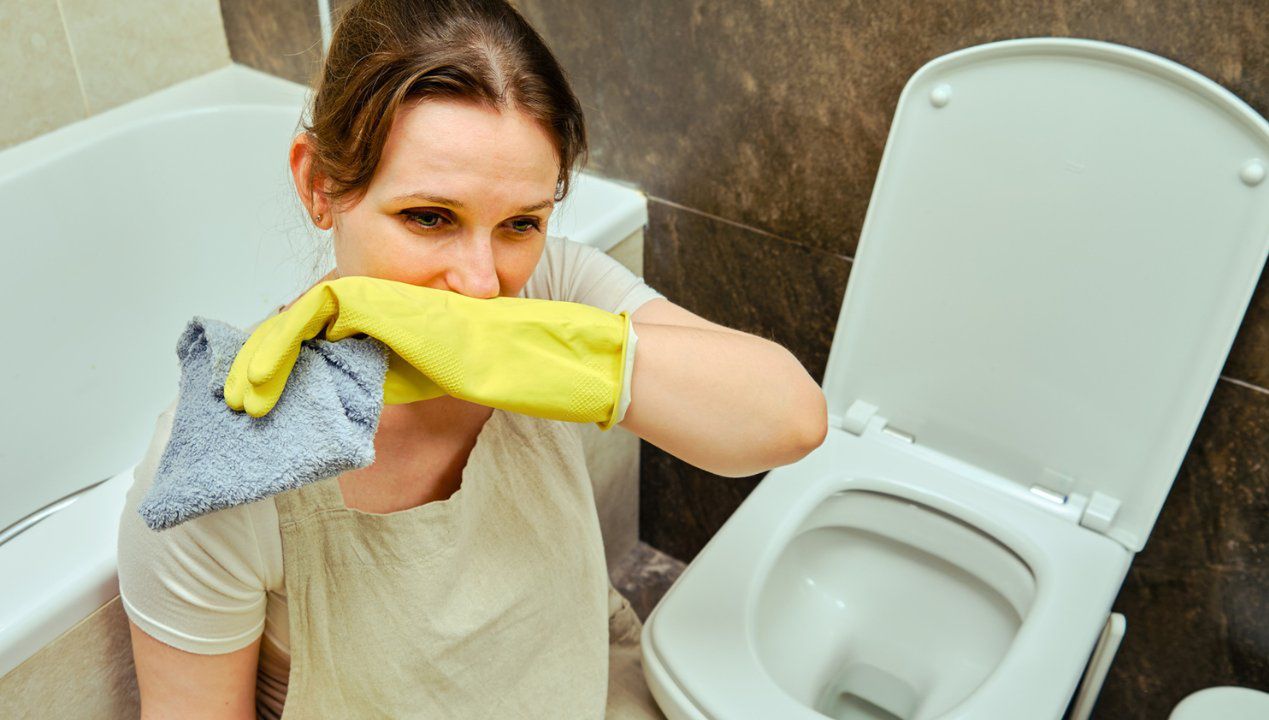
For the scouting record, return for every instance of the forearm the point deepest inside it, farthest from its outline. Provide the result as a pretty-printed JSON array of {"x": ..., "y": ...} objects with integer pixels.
[{"x": 730, "y": 403}]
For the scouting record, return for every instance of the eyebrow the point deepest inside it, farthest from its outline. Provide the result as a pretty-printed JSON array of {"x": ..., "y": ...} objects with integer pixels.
[{"x": 439, "y": 199}]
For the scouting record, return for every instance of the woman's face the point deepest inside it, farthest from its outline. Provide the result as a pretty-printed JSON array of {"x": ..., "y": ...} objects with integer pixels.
[{"x": 460, "y": 201}]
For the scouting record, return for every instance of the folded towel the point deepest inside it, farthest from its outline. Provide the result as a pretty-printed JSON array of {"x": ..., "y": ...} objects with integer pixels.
[{"x": 323, "y": 424}]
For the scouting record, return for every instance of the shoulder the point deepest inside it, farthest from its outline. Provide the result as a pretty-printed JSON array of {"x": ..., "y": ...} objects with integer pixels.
[
  {"x": 549, "y": 280},
  {"x": 239, "y": 535},
  {"x": 575, "y": 272},
  {"x": 199, "y": 585}
]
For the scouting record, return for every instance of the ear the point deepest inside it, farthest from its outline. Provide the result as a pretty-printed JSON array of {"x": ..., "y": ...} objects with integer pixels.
[{"x": 314, "y": 199}]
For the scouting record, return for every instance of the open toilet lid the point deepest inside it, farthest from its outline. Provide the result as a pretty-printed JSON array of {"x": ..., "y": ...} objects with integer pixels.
[{"x": 1061, "y": 243}]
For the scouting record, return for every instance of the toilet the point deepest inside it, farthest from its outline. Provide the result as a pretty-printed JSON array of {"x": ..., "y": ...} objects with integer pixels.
[
  {"x": 1223, "y": 703},
  {"x": 1062, "y": 240}
]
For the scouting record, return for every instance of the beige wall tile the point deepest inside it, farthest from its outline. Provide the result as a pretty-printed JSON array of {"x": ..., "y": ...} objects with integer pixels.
[
  {"x": 41, "y": 92},
  {"x": 86, "y": 673},
  {"x": 128, "y": 49}
]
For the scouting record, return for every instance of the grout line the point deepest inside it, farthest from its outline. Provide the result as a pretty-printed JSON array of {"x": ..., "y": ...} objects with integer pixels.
[
  {"x": 759, "y": 231},
  {"x": 70, "y": 44},
  {"x": 1244, "y": 383}
]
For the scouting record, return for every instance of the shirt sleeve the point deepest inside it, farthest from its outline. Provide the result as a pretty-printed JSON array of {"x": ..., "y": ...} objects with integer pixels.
[
  {"x": 581, "y": 273},
  {"x": 199, "y": 586}
]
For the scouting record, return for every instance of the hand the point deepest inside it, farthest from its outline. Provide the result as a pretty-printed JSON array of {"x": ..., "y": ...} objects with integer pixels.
[
  {"x": 552, "y": 359},
  {"x": 402, "y": 382}
]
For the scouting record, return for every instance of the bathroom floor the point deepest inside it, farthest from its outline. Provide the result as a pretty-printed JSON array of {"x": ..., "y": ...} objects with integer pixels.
[{"x": 644, "y": 575}]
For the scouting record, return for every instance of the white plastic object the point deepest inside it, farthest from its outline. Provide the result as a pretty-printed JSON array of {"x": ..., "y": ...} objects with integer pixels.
[
  {"x": 1098, "y": 666},
  {"x": 1223, "y": 703}
]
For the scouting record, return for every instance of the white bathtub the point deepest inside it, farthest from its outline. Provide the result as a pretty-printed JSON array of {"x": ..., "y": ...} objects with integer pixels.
[{"x": 118, "y": 229}]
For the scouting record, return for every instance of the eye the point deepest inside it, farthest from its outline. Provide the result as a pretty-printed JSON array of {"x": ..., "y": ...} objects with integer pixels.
[
  {"x": 426, "y": 219},
  {"x": 532, "y": 223}
]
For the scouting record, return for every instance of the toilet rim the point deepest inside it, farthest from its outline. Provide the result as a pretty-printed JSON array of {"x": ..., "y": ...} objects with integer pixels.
[
  {"x": 1018, "y": 528},
  {"x": 1057, "y": 552}
]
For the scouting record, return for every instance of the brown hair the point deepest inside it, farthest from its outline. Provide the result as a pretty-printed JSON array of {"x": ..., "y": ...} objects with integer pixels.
[{"x": 384, "y": 53}]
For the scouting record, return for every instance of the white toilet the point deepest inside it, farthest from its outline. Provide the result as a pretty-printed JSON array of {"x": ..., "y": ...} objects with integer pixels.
[
  {"x": 1060, "y": 246},
  {"x": 1223, "y": 703}
]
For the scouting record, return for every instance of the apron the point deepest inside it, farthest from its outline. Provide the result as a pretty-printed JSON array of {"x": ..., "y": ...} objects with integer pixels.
[{"x": 492, "y": 603}]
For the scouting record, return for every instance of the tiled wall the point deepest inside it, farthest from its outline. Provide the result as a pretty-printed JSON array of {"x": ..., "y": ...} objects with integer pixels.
[
  {"x": 64, "y": 60},
  {"x": 757, "y": 127}
]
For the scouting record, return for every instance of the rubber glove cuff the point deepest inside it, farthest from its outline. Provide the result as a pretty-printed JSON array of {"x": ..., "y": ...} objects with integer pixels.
[{"x": 627, "y": 376}]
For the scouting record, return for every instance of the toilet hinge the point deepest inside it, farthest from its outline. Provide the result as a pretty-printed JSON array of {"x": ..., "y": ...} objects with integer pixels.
[
  {"x": 1096, "y": 512},
  {"x": 856, "y": 417},
  {"x": 860, "y": 414},
  {"x": 1100, "y": 512}
]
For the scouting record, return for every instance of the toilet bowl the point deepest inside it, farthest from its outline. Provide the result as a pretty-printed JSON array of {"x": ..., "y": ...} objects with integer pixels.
[{"x": 1061, "y": 243}]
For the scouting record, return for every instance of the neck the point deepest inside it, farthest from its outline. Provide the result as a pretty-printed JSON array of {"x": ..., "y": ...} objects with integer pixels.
[{"x": 442, "y": 415}]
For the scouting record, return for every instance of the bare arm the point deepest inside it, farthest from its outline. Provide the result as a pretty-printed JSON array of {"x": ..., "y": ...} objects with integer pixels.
[
  {"x": 723, "y": 400},
  {"x": 189, "y": 686}
]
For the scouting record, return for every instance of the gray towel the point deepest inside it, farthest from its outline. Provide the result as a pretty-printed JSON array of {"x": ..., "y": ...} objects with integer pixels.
[{"x": 323, "y": 424}]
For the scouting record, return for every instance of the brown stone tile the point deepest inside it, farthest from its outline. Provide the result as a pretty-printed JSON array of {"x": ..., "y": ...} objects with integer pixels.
[
  {"x": 681, "y": 506},
  {"x": 1180, "y": 537},
  {"x": 644, "y": 576},
  {"x": 1176, "y": 643},
  {"x": 1187, "y": 630},
  {"x": 281, "y": 37},
  {"x": 1217, "y": 512},
  {"x": 746, "y": 280},
  {"x": 1237, "y": 477},
  {"x": 774, "y": 114},
  {"x": 1245, "y": 605},
  {"x": 1249, "y": 357}
]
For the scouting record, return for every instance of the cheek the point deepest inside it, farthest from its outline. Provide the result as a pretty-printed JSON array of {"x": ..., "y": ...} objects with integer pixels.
[
  {"x": 519, "y": 262},
  {"x": 377, "y": 246},
  {"x": 523, "y": 255}
]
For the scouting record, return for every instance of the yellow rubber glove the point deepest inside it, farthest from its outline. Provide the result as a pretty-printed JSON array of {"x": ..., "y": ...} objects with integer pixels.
[{"x": 547, "y": 358}]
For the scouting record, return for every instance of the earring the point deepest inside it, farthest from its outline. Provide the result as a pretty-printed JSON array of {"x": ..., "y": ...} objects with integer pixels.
[{"x": 318, "y": 218}]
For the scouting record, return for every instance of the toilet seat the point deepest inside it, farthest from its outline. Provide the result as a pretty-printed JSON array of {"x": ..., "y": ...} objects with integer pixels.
[
  {"x": 1062, "y": 241},
  {"x": 1078, "y": 573}
]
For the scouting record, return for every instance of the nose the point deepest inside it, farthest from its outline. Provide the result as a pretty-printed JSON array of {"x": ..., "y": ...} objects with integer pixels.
[{"x": 472, "y": 270}]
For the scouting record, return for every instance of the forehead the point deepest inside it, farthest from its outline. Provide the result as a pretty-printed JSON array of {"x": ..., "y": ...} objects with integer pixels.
[{"x": 467, "y": 151}]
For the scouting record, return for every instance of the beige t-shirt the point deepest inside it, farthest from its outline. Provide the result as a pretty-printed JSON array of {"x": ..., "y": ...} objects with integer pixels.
[{"x": 214, "y": 584}]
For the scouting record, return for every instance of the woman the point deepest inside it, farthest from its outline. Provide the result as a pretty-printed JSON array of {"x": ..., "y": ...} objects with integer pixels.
[{"x": 462, "y": 574}]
